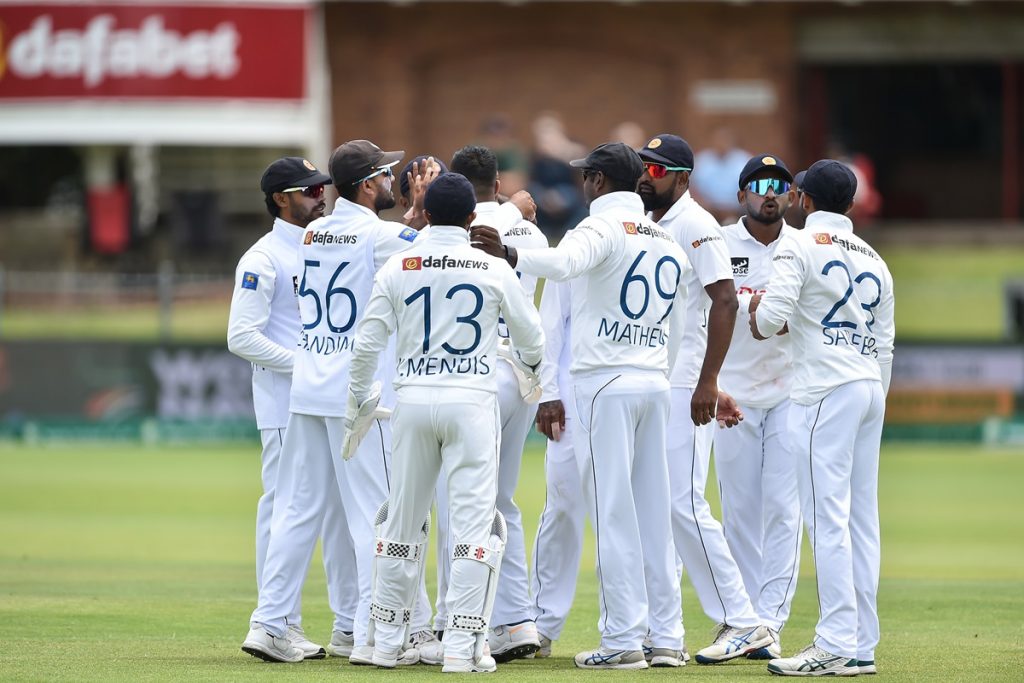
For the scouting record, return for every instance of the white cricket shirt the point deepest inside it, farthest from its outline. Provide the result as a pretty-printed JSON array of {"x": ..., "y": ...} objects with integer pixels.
[
  {"x": 444, "y": 298},
  {"x": 629, "y": 296},
  {"x": 758, "y": 374},
  {"x": 836, "y": 293},
  {"x": 338, "y": 257},
  {"x": 700, "y": 237},
  {"x": 263, "y": 323}
]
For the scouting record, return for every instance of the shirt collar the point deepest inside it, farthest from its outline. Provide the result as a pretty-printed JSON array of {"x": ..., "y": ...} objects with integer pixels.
[
  {"x": 744, "y": 234},
  {"x": 343, "y": 206},
  {"x": 617, "y": 200},
  {"x": 829, "y": 220},
  {"x": 447, "y": 234},
  {"x": 681, "y": 205},
  {"x": 289, "y": 231}
]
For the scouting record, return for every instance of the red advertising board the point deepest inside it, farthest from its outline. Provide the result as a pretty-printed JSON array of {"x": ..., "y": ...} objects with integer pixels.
[{"x": 152, "y": 51}]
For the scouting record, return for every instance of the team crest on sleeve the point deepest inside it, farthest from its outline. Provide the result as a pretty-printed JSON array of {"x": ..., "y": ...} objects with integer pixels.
[
  {"x": 250, "y": 280},
  {"x": 412, "y": 263},
  {"x": 822, "y": 238},
  {"x": 630, "y": 228},
  {"x": 408, "y": 234}
]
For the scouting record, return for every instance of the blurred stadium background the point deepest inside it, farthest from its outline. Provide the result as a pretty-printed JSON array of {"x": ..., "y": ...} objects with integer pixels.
[{"x": 133, "y": 136}]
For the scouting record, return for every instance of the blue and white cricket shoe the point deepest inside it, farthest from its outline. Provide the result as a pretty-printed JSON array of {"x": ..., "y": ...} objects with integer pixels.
[
  {"x": 813, "y": 661},
  {"x": 731, "y": 642},
  {"x": 611, "y": 659}
]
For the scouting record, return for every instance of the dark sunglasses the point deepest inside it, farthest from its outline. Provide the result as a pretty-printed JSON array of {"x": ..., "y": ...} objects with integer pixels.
[
  {"x": 659, "y": 171},
  {"x": 761, "y": 187},
  {"x": 386, "y": 172},
  {"x": 311, "y": 191}
]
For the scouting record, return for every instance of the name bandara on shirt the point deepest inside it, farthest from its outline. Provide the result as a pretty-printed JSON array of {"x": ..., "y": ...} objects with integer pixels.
[
  {"x": 758, "y": 374},
  {"x": 338, "y": 258},
  {"x": 836, "y": 293},
  {"x": 444, "y": 298},
  {"x": 628, "y": 287}
]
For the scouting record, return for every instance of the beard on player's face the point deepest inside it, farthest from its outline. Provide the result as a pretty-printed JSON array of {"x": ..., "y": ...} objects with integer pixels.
[
  {"x": 654, "y": 200},
  {"x": 385, "y": 199}
]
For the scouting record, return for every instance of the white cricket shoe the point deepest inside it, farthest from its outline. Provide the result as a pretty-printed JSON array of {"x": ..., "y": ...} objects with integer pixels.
[
  {"x": 771, "y": 651},
  {"x": 813, "y": 661},
  {"x": 513, "y": 642},
  {"x": 731, "y": 643},
  {"x": 867, "y": 666},
  {"x": 341, "y": 644},
  {"x": 614, "y": 659},
  {"x": 363, "y": 655},
  {"x": 262, "y": 645},
  {"x": 684, "y": 654},
  {"x": 545, "y": 647},
  {"x": 310, "y": 650},
  {"x": 429, "y": 646},
  {"x": 458, "y": 665}
]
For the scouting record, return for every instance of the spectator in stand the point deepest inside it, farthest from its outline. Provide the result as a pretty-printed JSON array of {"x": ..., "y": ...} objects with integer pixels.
[
  {"x": 553, "y": 183},
  {"x": 714, "y": 175}
]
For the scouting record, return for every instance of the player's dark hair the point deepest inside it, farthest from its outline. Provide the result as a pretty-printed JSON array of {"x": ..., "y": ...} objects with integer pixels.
[
  {"x": 272, "y": 206},
  {"x": 829, "y": 205},
  {"x": 479, "y": 165},
  {"x": 349, "y": 191},
  {"x": 620, "y": 185},
  {"x": 448, "y": 215}
]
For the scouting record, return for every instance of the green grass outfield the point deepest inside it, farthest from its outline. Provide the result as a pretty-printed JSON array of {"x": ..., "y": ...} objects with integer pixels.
[{"x": 136, "y": 564}]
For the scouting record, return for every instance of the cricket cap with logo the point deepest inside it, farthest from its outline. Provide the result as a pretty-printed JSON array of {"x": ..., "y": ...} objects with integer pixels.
[
  {"x": 761, "y": 162},
  {"x": 291, "y": 172},
  {"x": 614, "y": 159},
  {"x": 668, "y": 150},
  {"x": 356, "y": 159},
  {"x": 830, "y": 182}
]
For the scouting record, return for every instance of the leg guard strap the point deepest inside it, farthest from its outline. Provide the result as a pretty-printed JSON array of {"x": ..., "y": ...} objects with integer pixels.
[
  {"x": 399, "y": 550},
  {"x": 390, "y": 615},
  {"x": 481, "y": 553},
  {"x": 474, "y": 623}
]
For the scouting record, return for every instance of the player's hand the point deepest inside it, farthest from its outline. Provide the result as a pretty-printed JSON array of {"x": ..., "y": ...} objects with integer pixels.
[
  {"x": 551, "y": 419},
  {"x": 784, "y": 330},
  {"x": 702, "y": 405},
  {"x": 420, "y": 178},
  {"x": 729, "y": 413},
  {"x": 754, "y": 303},
  {"x": 523, "y": 201},
  {"x": 486, "y": 239},
  {"x": 753, "y": 328}
]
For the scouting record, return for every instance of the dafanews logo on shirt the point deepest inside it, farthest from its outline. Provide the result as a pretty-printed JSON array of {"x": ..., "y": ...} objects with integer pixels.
[
  {"x": 442, "y": 262},
  {"x": 822, "y": 238},
  {"x": 325, "y": 237},
  {"x": 634, "y": 229},
  {"x": 705, "y": 240}
]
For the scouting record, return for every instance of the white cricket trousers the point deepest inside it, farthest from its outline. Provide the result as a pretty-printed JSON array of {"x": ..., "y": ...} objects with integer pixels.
[
  {"x": 761, "y": 508},
  {"x": 559, "y": 542},
  {"x": 512, "y": 604},
  {"x": 621, "y": 452},
  {"x": 699, "y": 541},
  {"x": 338, "y": 553},
  {"x": 836, "y": 443},
  {"x": 459, "y": 428},
  {"x": 312, "y": 469}
]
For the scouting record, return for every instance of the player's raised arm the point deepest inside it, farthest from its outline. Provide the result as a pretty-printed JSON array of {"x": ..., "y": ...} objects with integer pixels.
[{"x": 583, "y": 248}]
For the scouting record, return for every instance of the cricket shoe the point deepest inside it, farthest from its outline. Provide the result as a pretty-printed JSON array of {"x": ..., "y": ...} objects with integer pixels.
[
  {"x": 545, "y": 647},
  {"x": 363, "y": 655},
  {"x": 458, "y": 665},
  {"x": 684, "y": 654},
  {"x": 341, "y": 644},
  {"x": 614, "y": 659},
  {"x": 310, "y": 650},
  {"x": 261, "y": 644},
  {"x": 813, "y": 661},
  {"x": 732, "y": 642},
  {"x": 430, "y": 647},
  {"x": 867, "y": 666},
  {"x": 771, "y": 651},
  {"x": 513, "y": 642}
]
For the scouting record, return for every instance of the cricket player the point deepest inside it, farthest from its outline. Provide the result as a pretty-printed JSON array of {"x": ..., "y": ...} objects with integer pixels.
[
  {"x": 628, "y": 311},
  {"x": 756, "y": 473},
  {"x": 263, "y": 328},
  {"x": 339, "y": 255},
  {"x": 835, "y": 293},
  {"x": 559, "y": 541},
  {"x": 443, "y": 299},
  {"x": 710, "y": 318}
]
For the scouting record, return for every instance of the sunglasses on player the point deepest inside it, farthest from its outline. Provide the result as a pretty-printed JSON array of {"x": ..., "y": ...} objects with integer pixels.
[
  {"x": 386, "y": 172},
  {"x": 311, "y": 191},
  {"x": 761, "y": 187},
  {"x": 659, "y": 171}
]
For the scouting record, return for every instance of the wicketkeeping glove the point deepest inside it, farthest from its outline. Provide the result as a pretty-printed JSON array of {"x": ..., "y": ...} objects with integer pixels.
[
  {"x": 529, "y": 380},
  {"x": 358, "y": 418}
]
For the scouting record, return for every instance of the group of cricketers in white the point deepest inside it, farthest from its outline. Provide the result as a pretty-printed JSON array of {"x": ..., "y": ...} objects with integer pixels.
[{"x": 400, "y": 366}]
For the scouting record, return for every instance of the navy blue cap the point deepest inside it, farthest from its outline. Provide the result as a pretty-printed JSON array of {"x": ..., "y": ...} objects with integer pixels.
[
  {"x": 403, "y": 177},
  {"x": 450, "y": 199},
  {"x": 761, "y": 162},
  {"x": 614, "y": 159},
  {"x": 798, "y": 180},
  {"x": 291, "y": 172},
  {"x": 670, "y": 150},
  {"x": 830, "y": 183}
]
